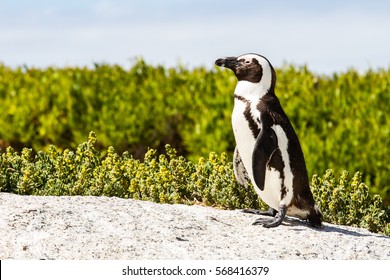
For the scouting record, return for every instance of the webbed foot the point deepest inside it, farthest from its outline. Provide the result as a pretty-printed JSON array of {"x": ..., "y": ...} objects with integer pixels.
[
  {"x": 279, "y": 217},
  {"x": 270, "y": 212}
]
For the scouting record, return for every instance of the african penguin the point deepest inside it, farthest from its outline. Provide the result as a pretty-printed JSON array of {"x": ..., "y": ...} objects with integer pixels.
[{"x": 268, "y": 152}]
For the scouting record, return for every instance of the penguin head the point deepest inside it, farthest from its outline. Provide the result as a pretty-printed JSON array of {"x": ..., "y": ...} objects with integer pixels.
[{"x": 251, "y": 67}]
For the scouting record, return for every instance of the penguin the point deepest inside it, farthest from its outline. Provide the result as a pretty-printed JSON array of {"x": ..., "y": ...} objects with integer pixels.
[{"x": 268, "y": 153}]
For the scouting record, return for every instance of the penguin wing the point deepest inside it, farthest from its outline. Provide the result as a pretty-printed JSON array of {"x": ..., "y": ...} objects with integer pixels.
[
  {"x": 265, "y": 146},
  {"x": 239, "y": 169}
]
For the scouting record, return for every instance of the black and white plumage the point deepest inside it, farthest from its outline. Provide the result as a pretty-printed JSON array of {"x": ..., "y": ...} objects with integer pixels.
[{"x": 268, "y": 152}]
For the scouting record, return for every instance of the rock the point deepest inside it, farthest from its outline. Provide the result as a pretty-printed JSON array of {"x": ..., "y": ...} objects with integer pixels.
[{"x": 83, "y": 227}]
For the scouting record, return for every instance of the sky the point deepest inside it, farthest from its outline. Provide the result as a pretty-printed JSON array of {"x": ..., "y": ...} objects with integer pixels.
[{"x": 327, "y": 36}]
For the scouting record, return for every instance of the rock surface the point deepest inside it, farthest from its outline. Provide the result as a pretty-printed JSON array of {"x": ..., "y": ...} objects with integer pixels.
[{"x": 43, "y": 227}]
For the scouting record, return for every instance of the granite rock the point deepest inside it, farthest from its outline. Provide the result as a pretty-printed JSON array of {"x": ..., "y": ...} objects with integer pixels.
[{"x": 86, "y": 227}]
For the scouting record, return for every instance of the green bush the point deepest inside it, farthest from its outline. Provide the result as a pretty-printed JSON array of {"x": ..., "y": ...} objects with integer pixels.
[
  {"x": 341, "y": 120},
  {"x": 131, "y": 110},
  {"x": 346, "y": 201},
  {"x": 169, "y": 178},
  {"x": 165, "y": 178}
]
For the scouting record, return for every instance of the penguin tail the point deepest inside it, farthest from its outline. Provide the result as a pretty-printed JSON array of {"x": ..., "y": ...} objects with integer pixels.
[{"x": 315, "y": 217}]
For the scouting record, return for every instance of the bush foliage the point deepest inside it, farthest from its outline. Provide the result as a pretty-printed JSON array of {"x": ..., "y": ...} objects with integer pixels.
[
  {"x": 341, "y": 120},
  {"x": 169, "y": 178}
]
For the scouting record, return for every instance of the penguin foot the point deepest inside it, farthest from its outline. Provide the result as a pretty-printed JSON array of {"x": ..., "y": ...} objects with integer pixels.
[
  {"x": 270, "y": 212},
  {"x": 276, "y": 221}
]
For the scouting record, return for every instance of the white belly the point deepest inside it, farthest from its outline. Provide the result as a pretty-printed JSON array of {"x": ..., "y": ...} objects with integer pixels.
[
  {"x": 245, "y": 140},
  {"x": 245, "y": 144},
  {"x": 244, "y": 137}
]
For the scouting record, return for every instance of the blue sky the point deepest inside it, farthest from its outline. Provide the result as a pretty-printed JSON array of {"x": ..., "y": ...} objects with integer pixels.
[{"x": 328, "y": 36}]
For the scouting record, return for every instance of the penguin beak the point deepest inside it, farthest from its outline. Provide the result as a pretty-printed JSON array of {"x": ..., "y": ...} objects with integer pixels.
[{"x": 227, "y": 62}]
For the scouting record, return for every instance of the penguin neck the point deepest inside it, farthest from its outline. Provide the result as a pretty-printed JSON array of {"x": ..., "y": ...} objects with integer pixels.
[
  {"x": 251, "y": 91},
  {"x": 255, "y": 91}
]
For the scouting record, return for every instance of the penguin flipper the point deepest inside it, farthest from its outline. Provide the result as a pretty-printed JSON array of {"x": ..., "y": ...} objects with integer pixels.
[
  {"x": 265, "y": 146},
  {"x": 239, "y": 169}
]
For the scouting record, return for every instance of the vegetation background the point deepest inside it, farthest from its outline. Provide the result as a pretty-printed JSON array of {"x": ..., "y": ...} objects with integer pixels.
[{"x": 342, "y": 122}]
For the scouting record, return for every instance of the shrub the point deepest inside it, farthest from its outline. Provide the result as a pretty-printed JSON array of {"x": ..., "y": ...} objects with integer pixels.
[
  {"x": 346, "y": 201},
  {"x": 341, "y": 120},
  {"x": 169, "y": 178},
  {"x": 165, "y": 178}
]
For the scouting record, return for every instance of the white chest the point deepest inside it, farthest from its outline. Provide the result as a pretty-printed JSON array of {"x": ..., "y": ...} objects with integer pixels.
[
  {"x": 247, "y": 96},
  {"x": 243, "y": 134}
]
